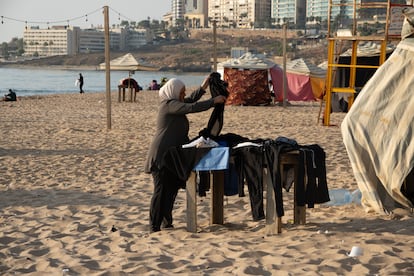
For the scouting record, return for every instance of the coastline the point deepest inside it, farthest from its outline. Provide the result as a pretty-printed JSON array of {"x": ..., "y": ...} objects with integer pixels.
[
  {"x": 57, "y": 67},
  {"x": 75, "y": 199}
]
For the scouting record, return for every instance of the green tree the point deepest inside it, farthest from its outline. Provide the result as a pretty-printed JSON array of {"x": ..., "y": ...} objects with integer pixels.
[
  {"x": 5, "y": 49},
  {"x": 144, "y": 24},
  {"x": 124, "y": 23}
]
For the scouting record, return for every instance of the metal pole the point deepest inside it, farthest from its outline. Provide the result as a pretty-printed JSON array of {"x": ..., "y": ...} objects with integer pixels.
[
  {"x": 284, "y": 65},
  {"x": 107, "y": 69}
]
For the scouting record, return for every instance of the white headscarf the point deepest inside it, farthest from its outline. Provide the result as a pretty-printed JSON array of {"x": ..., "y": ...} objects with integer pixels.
[{"x": 171, "y": 89}]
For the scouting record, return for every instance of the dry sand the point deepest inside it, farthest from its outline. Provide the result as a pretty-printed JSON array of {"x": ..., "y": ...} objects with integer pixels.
[{"x": 74, "y": 199}]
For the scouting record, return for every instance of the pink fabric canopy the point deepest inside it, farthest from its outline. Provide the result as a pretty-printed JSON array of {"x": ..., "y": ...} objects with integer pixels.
[{"x": 299, "y": 87}]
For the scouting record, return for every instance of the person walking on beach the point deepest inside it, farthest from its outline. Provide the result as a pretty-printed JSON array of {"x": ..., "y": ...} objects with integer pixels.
[
  {"x": 172, "y": 130},
  {"x": 80, "y": 80}
]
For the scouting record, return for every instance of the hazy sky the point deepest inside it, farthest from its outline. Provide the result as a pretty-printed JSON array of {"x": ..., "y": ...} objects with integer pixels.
[{"x": 43, "y": 11}]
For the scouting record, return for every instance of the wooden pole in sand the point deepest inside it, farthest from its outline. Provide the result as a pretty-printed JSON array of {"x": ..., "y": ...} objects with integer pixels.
[
  {"x": 215, "y": 45},
  {"x": 107, "y": 69},
  {"x": 284, "y": 65}
]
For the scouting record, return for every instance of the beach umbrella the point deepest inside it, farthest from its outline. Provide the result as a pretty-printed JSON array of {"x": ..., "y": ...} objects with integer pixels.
[{"x": 128, "y": 62}]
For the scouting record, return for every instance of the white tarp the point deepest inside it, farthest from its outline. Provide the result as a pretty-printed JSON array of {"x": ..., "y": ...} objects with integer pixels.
[
  {"x": 378, "y": 132},
  {"x": 248, "y": 61}
]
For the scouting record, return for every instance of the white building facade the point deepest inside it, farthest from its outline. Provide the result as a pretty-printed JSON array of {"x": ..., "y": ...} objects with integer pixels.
[
  {"x": 58, "y": 40},
  {"x": 290, "y": 11},
  {"x": 240, "y": 13},
  {"x": 196, "y": 13},
  {"x": 63, "y": 40}
]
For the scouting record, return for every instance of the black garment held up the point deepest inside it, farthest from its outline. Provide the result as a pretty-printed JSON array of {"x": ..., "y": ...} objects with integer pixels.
[{"x": 215, "y": 124}]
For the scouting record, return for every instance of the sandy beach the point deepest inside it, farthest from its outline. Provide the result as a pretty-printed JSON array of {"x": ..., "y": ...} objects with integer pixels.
[{"x": 74, "y": 199}]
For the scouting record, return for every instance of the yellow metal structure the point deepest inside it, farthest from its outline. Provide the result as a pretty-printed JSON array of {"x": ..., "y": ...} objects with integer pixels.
[{"x": 336, "y": 43}]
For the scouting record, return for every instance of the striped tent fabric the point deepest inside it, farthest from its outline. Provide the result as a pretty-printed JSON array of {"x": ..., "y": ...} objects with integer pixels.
[
  {"x": 378, "y": 129},
  {"x": 304, "y": 67},
  {"x": 305, "y": 81}
]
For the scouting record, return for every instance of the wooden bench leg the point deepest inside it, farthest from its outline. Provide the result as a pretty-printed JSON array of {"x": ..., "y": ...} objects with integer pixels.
[
  {"x": 191, "y": 188},
  {"x": 273, "y": 222},
  {"x": 299, "y": 212},
  {"x": 299, "y": 215},
  {"x": 217, "y": 195}
]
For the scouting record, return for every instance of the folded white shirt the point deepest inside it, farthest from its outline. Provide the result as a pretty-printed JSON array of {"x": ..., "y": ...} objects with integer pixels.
[
  {"x": 246, "y": 144},
  {"x": 201, "y": 142}
]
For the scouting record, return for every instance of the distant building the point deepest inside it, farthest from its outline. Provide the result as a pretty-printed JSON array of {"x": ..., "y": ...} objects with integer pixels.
[
  {"x": 290, "y": 11},
  {"x": 63, "y": 40},
  {"x": 240, "y": 13},
  {"x": 177, "y": 11},
  {"x": 58, "y": 40},
  {"x": 135, "y": 38},
  {"x": 91, "y": 40},
  {"x": 196, "y": 13},
  {"x": 302, "y": 12}
]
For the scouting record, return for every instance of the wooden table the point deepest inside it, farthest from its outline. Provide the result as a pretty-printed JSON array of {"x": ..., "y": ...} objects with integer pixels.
[
  {"x": 273, "y": 222},
  {"x": 121, "y": 93},
  {"x": 216, "y": 161}
]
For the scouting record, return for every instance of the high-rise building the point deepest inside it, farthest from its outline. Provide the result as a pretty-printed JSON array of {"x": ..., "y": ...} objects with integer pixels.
[
  {"x": 177, "y": 11},
  {"x": 196, "y": 13},
  {"x": 290, "y": 11},
  {"x": 240, "y": 13}
]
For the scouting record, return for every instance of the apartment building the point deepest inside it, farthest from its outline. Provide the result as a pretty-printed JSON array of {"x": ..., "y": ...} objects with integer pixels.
[
  {"x": 196, "y": 13},
  {"x": 240, "y": 13},
  {"x": 290, "y": 11},
  {"x": 177, "y": 11},
  {"x": 64, "y": 40},
  {"x": 301, "y": 12},
  {"x": 57, "y": 40}
]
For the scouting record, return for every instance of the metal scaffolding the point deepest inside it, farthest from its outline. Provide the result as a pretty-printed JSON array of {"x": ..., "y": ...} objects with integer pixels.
[{"x": 344, "y": 31}]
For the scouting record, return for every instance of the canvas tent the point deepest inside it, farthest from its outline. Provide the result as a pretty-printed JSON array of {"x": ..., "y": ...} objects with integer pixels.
[
  {"x": 378, "y": 134},
  {"x": 368, "y": 53},
  {"x": 127, "y": 62},
  {"x": 248, "y": 79},
  {"x": 304, "y": 81}
]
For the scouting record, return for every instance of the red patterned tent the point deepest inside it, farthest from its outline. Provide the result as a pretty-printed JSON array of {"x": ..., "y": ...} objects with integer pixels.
[{"x": 248, "y": 80}]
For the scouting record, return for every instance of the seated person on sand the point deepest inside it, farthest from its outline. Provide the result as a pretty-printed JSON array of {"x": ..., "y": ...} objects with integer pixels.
[
  {"x": 163, "y": 81},
  {"x": 154, "y": 85},
  {"x": 10, "y": 97}
]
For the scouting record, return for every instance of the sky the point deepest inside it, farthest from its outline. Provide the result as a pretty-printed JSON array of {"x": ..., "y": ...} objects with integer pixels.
[{"x": 57, "y": 12}]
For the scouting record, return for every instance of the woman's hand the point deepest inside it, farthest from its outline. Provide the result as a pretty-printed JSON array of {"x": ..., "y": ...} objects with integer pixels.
[{"x": 219, "y": 99}]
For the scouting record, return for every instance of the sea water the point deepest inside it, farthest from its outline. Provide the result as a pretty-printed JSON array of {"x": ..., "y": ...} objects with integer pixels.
[{"x": 37, "y": 82}]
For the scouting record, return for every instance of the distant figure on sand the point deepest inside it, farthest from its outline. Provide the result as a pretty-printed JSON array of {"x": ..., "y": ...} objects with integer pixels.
[
  {"x": 163, "y": 81},
  {"x": 81, "y": 84},
  {"x": 10, "y": 97},
  {"x": 154, "y": 85}
]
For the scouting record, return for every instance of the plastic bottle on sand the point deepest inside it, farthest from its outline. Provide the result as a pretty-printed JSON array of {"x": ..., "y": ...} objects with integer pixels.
[{"x": 342, "y": 196}]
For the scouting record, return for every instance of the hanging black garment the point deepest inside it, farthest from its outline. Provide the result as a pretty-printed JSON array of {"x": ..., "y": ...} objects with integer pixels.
[{"x": 215, "y": 124}]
